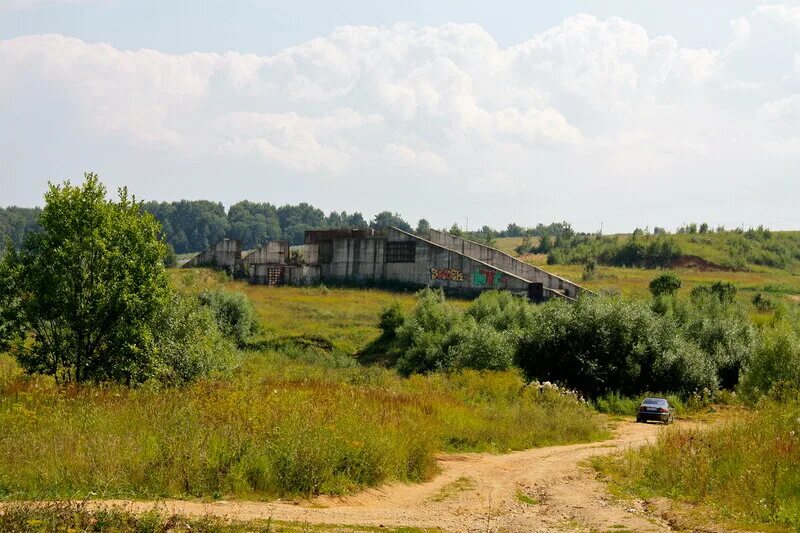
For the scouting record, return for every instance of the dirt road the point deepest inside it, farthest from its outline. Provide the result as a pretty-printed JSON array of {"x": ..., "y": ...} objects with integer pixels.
[{"x": 543, "y": 489}]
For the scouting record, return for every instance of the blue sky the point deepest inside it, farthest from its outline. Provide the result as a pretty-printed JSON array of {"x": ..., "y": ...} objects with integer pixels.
[{"x": 626, "y": 112}]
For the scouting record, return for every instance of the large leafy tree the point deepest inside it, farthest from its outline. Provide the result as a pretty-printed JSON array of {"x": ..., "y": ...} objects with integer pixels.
[
  {"x": 385, "y": 219},
  {"x": 81, "y": 297}
]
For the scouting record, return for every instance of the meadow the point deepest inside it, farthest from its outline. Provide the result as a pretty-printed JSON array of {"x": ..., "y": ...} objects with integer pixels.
[
  {"x": 298, "y": 416},
  {"x": 742, "y": 472},
  {"x": 781, "y": 284}
]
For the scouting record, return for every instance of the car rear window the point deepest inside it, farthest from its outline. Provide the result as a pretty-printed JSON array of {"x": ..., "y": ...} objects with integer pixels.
[{"x": 654, "y": 401}]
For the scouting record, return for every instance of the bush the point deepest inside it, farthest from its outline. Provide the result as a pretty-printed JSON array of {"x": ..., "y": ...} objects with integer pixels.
[
  {"x": 597, "y": 346},
  {"x": 721, "y": 329},
  {"x": 601, "y": 345},
  {"x": 391, "y": 319},
  {"x": 763, "y": 303},
  {"x": 666, "y": 284},
  {"x": 615, "y": 404},
  {"x": 189, "y": 343},
  {"x": 233, "y": 312},
  {"x": 775, "y": 364},
  {"x": 484, "y": 348},
  {"x": 724, "y": 291},
  {"x": 437, "y": 336}
]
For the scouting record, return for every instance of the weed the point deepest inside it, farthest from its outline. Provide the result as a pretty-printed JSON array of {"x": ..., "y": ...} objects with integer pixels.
[
  {"x": 453, "y": 489},
  {"x": 524, "y": 498}
]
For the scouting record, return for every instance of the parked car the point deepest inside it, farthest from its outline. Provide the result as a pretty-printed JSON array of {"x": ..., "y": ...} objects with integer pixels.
[{"x": 657, "y": 409}]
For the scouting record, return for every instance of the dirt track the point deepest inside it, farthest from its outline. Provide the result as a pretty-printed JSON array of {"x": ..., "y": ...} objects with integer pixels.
[{"x": 473, "y": 492}]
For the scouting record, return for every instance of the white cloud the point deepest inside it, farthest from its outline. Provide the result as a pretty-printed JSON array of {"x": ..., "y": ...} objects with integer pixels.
[
  {"x": 783, "y": 13},
  {"x": 421, "y": 161},
  {"x": 784, "y": 109},
  {"x": 584, "y": 102}
]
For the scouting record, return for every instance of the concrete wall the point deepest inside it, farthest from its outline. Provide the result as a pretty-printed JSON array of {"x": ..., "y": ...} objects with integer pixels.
[
  {"x": 274, "y": 274},
  {"x": 309, "y": 253},
  {"x": 363, "y": 260},
  {"x": 227, "y": 254},
  {"x": 276, "y": 252},
  {"x": 505, "y": 262},
  {"x": 301, "y": 275}
]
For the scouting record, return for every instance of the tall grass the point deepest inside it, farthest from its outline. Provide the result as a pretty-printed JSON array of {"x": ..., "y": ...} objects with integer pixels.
[
  {"x": 280, "y": 426},
  {"x": 747, "y": 469}
]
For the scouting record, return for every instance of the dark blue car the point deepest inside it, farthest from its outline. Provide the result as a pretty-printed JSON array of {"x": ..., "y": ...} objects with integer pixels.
[{"x": 657, "y": 409}]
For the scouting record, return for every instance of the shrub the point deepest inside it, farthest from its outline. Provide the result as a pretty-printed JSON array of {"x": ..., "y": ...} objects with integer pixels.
[
  {"x": 724, "y": 291},
  {"x": 666, "y": 284},
  {"x": 189, "y": 343},
  {"x": 600, "y": 345},
  {"x": 775, "y": 364},
  {"x": 615, "y": 404},
  {"x": 391, "y": 318},
  {"x": 720, "y": 329},
  {"x": 763, "y": 303},
  {"x": 597, "y": 345},
  {"x": 484, "y": 348},
  {"x": 233, "y": 312}
]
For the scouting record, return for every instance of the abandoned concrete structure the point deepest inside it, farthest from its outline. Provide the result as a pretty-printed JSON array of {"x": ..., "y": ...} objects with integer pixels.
[
  {"x": 392, "y": 256},
  {"x": 454, "y": 264},
  {"x": 226, "y": 254}
]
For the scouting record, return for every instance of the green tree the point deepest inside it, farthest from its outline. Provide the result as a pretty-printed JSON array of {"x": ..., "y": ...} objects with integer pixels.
[
  {"x": 487, "y": 236},
  {"x": 455, "y": 230},
  {"x": 423, "y": 228},
  {"x": 666, "y": 284},
  {"x": 89, "y": 287},
  {"x": 385, "y": 219}
]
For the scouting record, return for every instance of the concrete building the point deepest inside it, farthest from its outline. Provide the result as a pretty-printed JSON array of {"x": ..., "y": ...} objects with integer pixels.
[
  {"x": 456, "y": 265},
  {"x": 392, "y": 257},
  {"x": 226, "y": 254},
  {"x": 273, "y": 252},
  {"x": 506, "y": 262}
]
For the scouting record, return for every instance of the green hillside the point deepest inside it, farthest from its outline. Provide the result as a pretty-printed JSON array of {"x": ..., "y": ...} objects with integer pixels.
[{"x": 757, "y": 261}]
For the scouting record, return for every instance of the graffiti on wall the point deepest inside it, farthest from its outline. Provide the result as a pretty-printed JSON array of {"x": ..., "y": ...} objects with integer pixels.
[
  {"x": 486, "y": 277},
  {"x": 447, "y": 274}
]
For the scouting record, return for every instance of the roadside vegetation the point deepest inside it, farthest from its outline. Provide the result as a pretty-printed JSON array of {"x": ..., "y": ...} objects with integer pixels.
[
  {"x": 745, "y": 470},
  {"x": 284, "y": 424}
]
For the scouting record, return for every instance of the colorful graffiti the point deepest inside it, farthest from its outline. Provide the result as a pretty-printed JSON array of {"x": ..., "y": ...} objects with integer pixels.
[
  {"x": 491, "y": 278},
  {"x": 447, "y": 274}
]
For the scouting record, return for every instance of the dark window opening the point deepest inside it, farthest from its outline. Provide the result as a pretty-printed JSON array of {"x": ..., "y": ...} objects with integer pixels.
[
  {"x": 401, "y": 252},
  {"x": 325, "y": 252}
]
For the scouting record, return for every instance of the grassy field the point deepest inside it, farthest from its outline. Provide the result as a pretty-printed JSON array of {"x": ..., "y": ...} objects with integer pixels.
[
  {"x": 781, "y": 284},
  {"x": 348, "y": 318},
  {"x": 743, "y": 472},
  {"x": 298, "y": 417}
]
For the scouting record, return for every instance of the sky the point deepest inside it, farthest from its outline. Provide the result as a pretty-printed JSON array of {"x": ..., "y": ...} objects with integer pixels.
[{"x": 618, "y": 113}]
